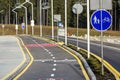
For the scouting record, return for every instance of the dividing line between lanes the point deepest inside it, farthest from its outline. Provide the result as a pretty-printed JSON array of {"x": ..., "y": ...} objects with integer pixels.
[
  {"x": 19, "y": 66},
  {"x": 31, "y": 61},
  {"x": 79, "y": 62}
]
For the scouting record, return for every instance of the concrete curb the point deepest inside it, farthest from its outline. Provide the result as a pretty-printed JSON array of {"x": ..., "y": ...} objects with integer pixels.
[
  {"x": 23, "y": 66},
  {"x": 107, "y": 65},
  {"x": 87, "y": 67}
]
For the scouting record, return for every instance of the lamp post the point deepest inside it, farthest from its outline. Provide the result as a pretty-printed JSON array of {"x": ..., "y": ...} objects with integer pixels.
[
  {"x": 119, "y": 12},
  {"x": 32, "y": 21},
  {"x": 26, "y": 18},
  {"x": 52, "y": 19},
  {"x": 45, "y": 5},
  {"x": 66, "y": 22},
  {"x": 16, "y": 26},
  {"x": 40, "y": 18},
  {"x": 88, "y": 28},
  {"x": 3, "y": 26},
  {"x": 119, "y": 2}
]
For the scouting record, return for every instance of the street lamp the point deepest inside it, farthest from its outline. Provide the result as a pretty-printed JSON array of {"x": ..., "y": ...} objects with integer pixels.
[
  {"x": 52, "y": 19},
  {"x": 42, "y": 6},
  {"x": 16, "y": 26},
  {"x": 26, "y": 17},
  {"x": 119, "y": 2},
  {"x": 3, "y": 26},
  {"x": 40, "y": 18},
  {"x": 66, "y": 22},
  {"x": 119, "y": 10},
  {"x": 32, "y": 21},
  {"x": 2, "y": 17},
  {"x": 88, "y": 28},
  {"x": 45, "y": 6}
]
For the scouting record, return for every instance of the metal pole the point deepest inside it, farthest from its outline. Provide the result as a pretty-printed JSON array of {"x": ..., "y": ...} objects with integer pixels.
[
  {"x": 88, "y": 27},
  {"x": 77, "y": 30},
  {"x": 102, "y": 52},
  {"x": 32, "y": 18},
  {"x": 40, "y": 18},
  {"x": 16, "y": 25},
  {"x": 16, "y": 22},
  {"x": 57, "y": 34},
  {"x": 101, "y": 2},
  {"x": 52, "y": 19},
  {"x": 66, "y": 22},
  {"x": 9, "y": 11},
  {"x": 32, "y": 8},
  {"x": 115, "y": 18},
  {"x": 26, "y": 19},
  {"x": 3, "y": 29}
]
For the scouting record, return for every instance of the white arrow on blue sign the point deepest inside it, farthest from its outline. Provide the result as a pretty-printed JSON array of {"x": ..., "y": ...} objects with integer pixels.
[{"x": 101, "y": 20}]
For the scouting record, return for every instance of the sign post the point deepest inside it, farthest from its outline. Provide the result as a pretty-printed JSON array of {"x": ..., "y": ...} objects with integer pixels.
[
  {"x": 77, "y": 9},
  {"x": 16, "y": 27},
  {"x": 3, "y": 27},
  {"x": 101, "y": 20},
  {"x": 60, "y": 29},
  {"x": 32, "y": 24},
  {"x": 57, "y": 18},
  {"x": 23, "y": 27}
]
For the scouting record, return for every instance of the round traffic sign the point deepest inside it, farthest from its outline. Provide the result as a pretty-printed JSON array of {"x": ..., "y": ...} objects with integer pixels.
[
  {"x": 77, "y": 8},
  {"x": 101, "y": 20},
  {"x": 60, "y": 24},
  {"x": 23, "y": 25},
  {"x": 32, "y": 23}
]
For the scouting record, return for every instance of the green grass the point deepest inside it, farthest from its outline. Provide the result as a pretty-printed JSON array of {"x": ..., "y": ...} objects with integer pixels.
[
  {"x": 47, "y": 30},
  {"x": 95, "y": 65}
]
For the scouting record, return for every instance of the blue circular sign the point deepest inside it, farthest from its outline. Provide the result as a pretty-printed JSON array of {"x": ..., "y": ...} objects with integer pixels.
[
  {"x": 101, "y": 20},
  {"x": 23, "y": 25},
  {"x": 60, "y": 24}
]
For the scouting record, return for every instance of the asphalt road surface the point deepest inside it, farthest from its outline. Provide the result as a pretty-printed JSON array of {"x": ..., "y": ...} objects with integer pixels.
[
  {"x": 111, "y": 51},
  {"x": 50, "y": 62}
]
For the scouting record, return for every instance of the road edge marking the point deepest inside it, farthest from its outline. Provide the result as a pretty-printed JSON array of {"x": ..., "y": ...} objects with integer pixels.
[
  {"x": 29, "y": 64},
  {"x": 19, "y": 66},
  {"x": 79, "y": 62}
]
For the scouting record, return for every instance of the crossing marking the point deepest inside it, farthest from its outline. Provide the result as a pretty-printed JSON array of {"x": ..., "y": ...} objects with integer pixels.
[
  {"x": 50, "y": 60},
  {"x": 39, "y": 45}
]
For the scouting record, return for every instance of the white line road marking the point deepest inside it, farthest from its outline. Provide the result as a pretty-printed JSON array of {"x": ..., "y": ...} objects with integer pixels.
[
  {"x": 66, "y": 59},
  {"x": 53, "y": 57},
  {"x": 52, "y": 75},
  {"x": 55, "y": 61},
  {"x": 49, "y": 52},
  {"x": 44, "y": 60},
  {"x": 54, "y": 69},
  {"x": 54, "y": 64}
]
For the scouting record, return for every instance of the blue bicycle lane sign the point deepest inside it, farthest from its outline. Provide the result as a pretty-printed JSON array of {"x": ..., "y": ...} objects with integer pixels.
[{"x": 101, "y": 20}]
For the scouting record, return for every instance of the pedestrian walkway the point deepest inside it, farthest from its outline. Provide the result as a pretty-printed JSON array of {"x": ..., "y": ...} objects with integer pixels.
[{"x": 10, "y": 56}]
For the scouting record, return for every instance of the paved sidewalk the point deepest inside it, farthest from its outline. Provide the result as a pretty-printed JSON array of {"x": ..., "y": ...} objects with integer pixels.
[{"x": 10, "y": 55}]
